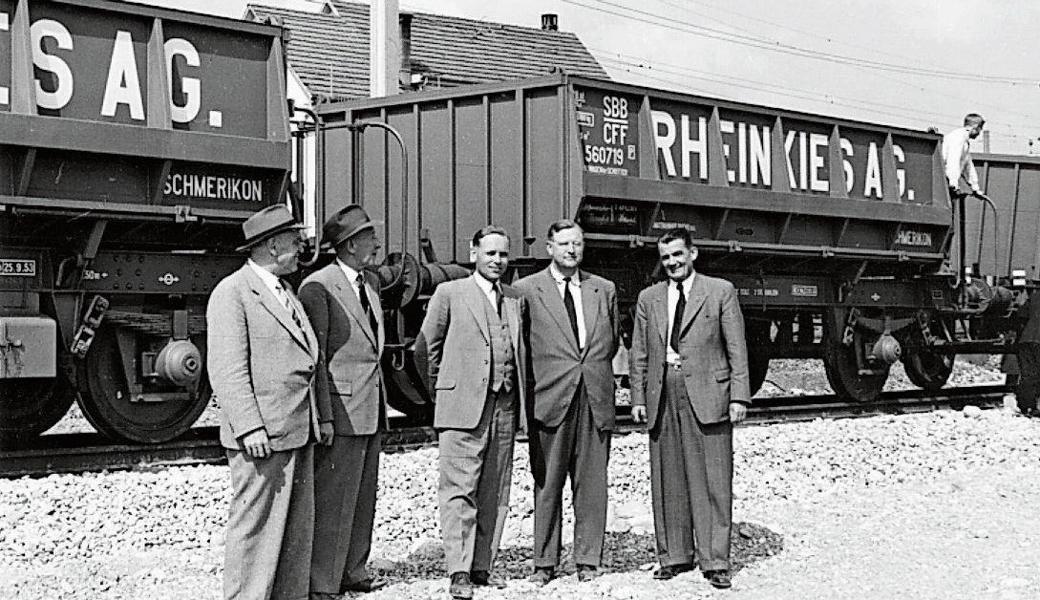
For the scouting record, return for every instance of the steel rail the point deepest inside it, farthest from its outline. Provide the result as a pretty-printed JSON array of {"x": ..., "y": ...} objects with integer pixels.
[{"x": 92, "y": 452}]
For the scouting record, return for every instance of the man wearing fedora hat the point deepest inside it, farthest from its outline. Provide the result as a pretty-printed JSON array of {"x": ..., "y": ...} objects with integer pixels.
[
  {"x": 342, "y": 302},
  {"x": 262, "y": 356}
]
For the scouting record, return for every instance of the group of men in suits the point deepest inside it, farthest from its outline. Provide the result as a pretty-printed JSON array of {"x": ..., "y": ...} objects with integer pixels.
[
  {"x": 689, "y": 378},
  {"x": 303, "y": 402}
]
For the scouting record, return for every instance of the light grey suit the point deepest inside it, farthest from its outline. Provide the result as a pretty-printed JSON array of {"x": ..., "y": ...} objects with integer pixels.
[
  {"x": 346, "y": 473},
  {"x": 572, "y": 403},
  {"x": 691, "y": 438},
  {"x": 261, "y": 365},
  {"x": 475, "y": 425}
]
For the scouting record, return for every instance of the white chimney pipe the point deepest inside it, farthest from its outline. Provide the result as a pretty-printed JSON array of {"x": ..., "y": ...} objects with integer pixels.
[{"x": 384, "y": 48}]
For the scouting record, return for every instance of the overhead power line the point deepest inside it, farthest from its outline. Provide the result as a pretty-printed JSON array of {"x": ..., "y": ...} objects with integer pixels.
[
  {"x": 669, "y": 22},
  {"x": 935, "y": 89},
  {"x": 729, "y": 79},
  {"x": 683, "y": 82}
]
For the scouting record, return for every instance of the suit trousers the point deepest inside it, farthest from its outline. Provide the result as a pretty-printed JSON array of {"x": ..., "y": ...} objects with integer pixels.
[
  {"x": 346, "y": 477},
  {"x": 1029, "y": 375},
  {"x": 691, "y": 481},
  {"x": 270, "y": 525},
  {"x": 476, "y": 467},
  {"x": 577, "y": 448}
]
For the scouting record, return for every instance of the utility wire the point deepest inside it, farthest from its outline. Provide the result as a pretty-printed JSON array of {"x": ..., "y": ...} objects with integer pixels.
[
  {"x": 775, "y": 46},
  {"x": 860, "y": 105},
  {"x": 682, "y": 70},
  {"x": 946, "y": 94}
]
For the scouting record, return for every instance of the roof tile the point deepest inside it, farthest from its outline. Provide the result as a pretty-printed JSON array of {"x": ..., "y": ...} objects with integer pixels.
[{"x": 330, "y": 53}]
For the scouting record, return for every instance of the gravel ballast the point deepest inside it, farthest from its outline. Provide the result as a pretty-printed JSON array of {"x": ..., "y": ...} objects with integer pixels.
[{"x": 938, "y": 505}]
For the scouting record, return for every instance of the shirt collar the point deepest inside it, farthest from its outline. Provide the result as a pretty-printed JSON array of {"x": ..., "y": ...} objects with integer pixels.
[
  {"x": 687, "y": 283},
  {"x": 558, "y": 277},
  {"x": 352, "y": 275},
  {"x": 270, "y": 279},
  {"x": 485, "y": 285}
]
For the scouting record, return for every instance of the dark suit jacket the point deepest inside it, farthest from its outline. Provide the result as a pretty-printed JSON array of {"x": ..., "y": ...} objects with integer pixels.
[
  {"x": 557, "y": 364},
  {"x": 1031, "y": 311},
  {"x": 261, "y": 364},
  {"x": 351, "y": 380},
  {"x": 712, "y": 349},
  {"x": 454, "y": 345}
]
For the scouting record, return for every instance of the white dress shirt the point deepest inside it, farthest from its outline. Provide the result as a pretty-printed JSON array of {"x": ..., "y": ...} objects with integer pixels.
[
  {"x": 956, "y": 153},
  {"x": 491, "y": 290},
  {"x": 289, "y": 303},
  {"x": 575, "y": 286},
  {"x": 273, "y": 283},
  {"x": 352, "y": 277},
  {"x": 673, "y": 299}
]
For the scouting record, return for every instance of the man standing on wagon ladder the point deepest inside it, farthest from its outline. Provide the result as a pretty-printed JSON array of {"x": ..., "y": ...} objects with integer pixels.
[{"x": 956, "y": 153}]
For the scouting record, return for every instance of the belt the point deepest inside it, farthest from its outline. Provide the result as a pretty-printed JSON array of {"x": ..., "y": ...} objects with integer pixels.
[{"x": 676, "y": 366}]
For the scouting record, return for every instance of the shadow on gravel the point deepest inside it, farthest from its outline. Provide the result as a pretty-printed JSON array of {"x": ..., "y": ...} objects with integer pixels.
[{"x": 622, "y": 552}]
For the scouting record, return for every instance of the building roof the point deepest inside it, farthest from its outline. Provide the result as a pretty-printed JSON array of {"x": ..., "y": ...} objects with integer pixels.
[{"x": 330, "y": 52}]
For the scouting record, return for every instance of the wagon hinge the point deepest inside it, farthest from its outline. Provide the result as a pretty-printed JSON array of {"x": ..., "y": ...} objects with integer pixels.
[
  {"x": 926, "y": 329},
  {"x": 182, "y": 214},
  {"x": 848, "y": 334},
  {"x": 84, "y": 336}
]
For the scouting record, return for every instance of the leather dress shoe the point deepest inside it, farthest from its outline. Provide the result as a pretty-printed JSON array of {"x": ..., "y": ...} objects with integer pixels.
[
  {"x": 587, "y": 572},
  {"x": 365, "y": 585},
  {"x": 718, "y": 579},
  {"x": 485, "y": 578},
  {"x": 542, "y": 575},
  {"x": 669, "y": 571},
  {"x": 461, "y": 587}
]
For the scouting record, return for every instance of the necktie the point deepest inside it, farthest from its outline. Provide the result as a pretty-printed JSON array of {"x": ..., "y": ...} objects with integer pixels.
[
  {"x": 283, "y": 297},
  {"x": 497, "y": 291},
  {"x": 572, "y": 314},
  {"x": 680, "y": 307},
  {"x": 365, "y": 305}
]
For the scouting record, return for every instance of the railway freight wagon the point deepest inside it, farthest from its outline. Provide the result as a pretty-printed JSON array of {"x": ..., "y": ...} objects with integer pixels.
[
  {"x": 1006, "y": 245},
  {"x": 133, "y": 142},
  {"x": 837, "y": 234}
]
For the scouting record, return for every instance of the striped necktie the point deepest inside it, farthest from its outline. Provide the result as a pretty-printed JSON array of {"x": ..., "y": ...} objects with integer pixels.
[{"x": 283, "y": 297}]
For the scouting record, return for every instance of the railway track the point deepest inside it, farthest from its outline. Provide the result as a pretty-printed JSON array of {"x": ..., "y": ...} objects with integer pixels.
[{"x": 91, "y": 452}]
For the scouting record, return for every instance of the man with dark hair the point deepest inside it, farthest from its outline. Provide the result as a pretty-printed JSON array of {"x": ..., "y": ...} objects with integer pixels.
[
  {"x": 473, "y": 350},
  {"x": 342, "y": 302},
  {"x": 262, "y": 360},
  {"x": 573, "y": 318},
  {"x": 956, "y": 152},
  {"x": 689, "y": 374}
]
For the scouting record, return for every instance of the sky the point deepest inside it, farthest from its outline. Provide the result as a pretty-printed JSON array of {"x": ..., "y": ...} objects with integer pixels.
[{"x": 909, "y": 63}]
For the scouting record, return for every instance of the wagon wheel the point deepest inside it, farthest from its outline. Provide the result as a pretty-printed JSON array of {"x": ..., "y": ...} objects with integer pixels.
[
  {"x": 927, "y": 369},
  {"x": 839, "y": 362},
  {"x": 30, "y": 406},
  {"x": 757, "y": 334},
  {"x": 154, "y": 412}
]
